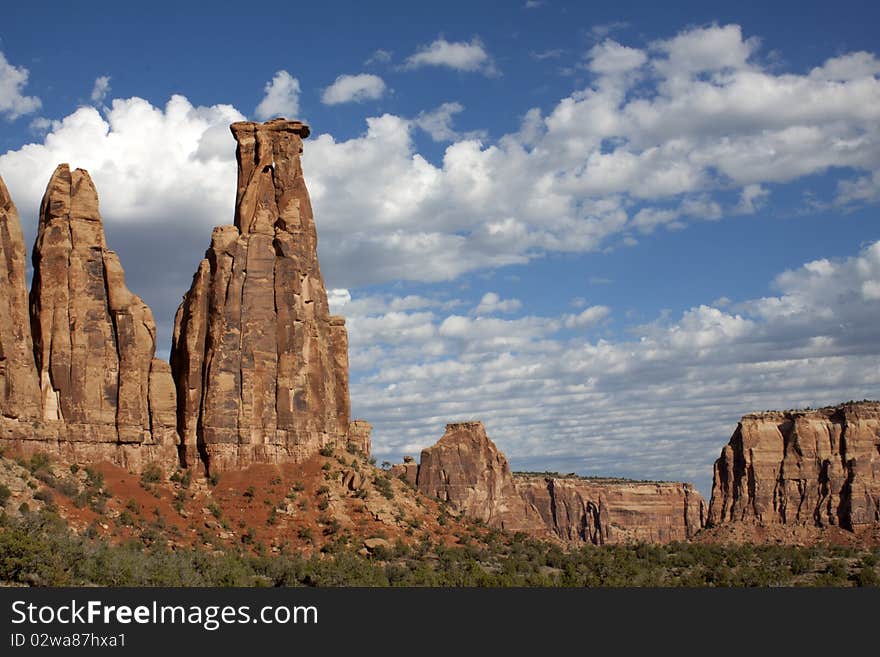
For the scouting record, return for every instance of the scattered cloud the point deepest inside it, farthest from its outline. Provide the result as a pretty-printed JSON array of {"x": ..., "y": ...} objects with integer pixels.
[
  {"x": 590, "y": 405},
  {"x": 601, "y": 31},
  {"x": 378, "y": 57},
  {"x": 100, "y": 89},
  {"x": 281, "y": 98},
  {"x": 354, "y": 89},
  {"x": 616, "y": 159},
  {"x": 468, "y": 56},
  {"x": 752, "y": 198},
  {"x": 491, "y": 303},
  {"x": 13, "y": 102},
  {"x": 438, "y": 123}
]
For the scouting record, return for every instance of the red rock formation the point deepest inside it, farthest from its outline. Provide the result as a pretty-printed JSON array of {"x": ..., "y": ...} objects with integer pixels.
[
  {"x": 466, "y": 469},
  {"x": 359, "y": 436},
  {"x": 607, "y": 511},
  {"x": 812, "y": 467},
  {"x": 103, "y": 394},
  {"x": 261, "y": 366},
  {"x": 19, "y": 391},
  {"x": 408, "y": 470}
]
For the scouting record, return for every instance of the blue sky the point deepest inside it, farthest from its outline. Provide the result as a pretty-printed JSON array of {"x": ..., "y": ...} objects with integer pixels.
[{"x": 606, "y": 230}]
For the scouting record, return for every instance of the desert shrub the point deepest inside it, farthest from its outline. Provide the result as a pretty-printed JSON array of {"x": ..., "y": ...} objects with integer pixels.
[
  {"x": 45, "y": 495},
  {"x": 5, "y": 494},
  {"x": 326, "y": 450},
  {"x": 39, "y": 461},
  {"x": 383, "y": 484},
  {"x": 215, "y": 510},
  {"x": 94, "y": 479},
  {"x": 249, "y": 492},
  {"x": 151, "y": 475}
]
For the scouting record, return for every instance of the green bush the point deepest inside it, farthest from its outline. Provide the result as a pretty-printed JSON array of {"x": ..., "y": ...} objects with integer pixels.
[
  {"x": 5, "y": 494},
  {"x": 151, "y": 475}
]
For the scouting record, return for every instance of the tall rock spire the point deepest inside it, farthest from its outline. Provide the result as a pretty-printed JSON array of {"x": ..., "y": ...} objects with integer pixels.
[
  {"x": 19, "y": 392},
  {"x": 94, "y": 341},
  {"x": 261, "y": 366}
]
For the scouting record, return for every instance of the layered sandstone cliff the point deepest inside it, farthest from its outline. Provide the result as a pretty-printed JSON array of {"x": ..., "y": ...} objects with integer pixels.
[
  {"x": 260, "y": 364},
  {"x": 607, "y": 511},
  {"x": 812, "y": 467},
  {"x": 466, "y": 469},
  {"x": 101, "y": 393}
]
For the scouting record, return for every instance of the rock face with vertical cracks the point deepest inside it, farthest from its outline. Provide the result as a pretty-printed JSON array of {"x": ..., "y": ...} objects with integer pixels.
[
  {"x": 260, "y": 365},
  {"x": 811, "y": 467},
  {"x": 608, "y": 511},
  {"x": 19, "y": 392},
  {"x": 101, "y": 392}
]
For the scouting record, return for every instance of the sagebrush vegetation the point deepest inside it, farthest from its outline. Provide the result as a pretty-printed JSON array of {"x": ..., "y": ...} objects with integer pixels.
[{"x": 39, "y": 549}]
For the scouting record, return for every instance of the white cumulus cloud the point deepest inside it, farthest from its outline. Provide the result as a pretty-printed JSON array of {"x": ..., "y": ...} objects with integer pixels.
[
  {"x": 281, "y": 98},
  {"x": 354, "y": 89},
  {"x": 469, "y": 56},
  {"x": 492, "y": 303},
  {"x": 13, "y": 80}
]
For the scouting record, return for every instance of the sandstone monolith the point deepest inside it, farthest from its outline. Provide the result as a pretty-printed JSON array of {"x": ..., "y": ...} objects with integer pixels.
[{"x": 260, "y": 364}]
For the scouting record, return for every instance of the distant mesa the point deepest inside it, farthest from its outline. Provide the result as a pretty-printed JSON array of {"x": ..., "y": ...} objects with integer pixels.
[
  {"x": 468, "y": 471},
  {"x": 817, "y": 468}
]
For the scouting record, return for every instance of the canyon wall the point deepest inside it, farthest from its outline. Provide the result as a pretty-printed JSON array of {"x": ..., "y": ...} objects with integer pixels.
[
  {"x": 467, "y": 470},
  {"x": 809, "y": 467},
  {"x": 607, "y": 511}
]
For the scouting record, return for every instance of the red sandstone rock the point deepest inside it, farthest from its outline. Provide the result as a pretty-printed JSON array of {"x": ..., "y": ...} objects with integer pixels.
[
  {"x": 607, "y": 511},
  {"x": 811, "y": 467},
  {"x": 19, "y": 390},
  {"x": 359, "y": 436},
  {"x": 466, "y": 469},
  {"x": 261, "y": 366},
  {"x": 93, "y": 342}
]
